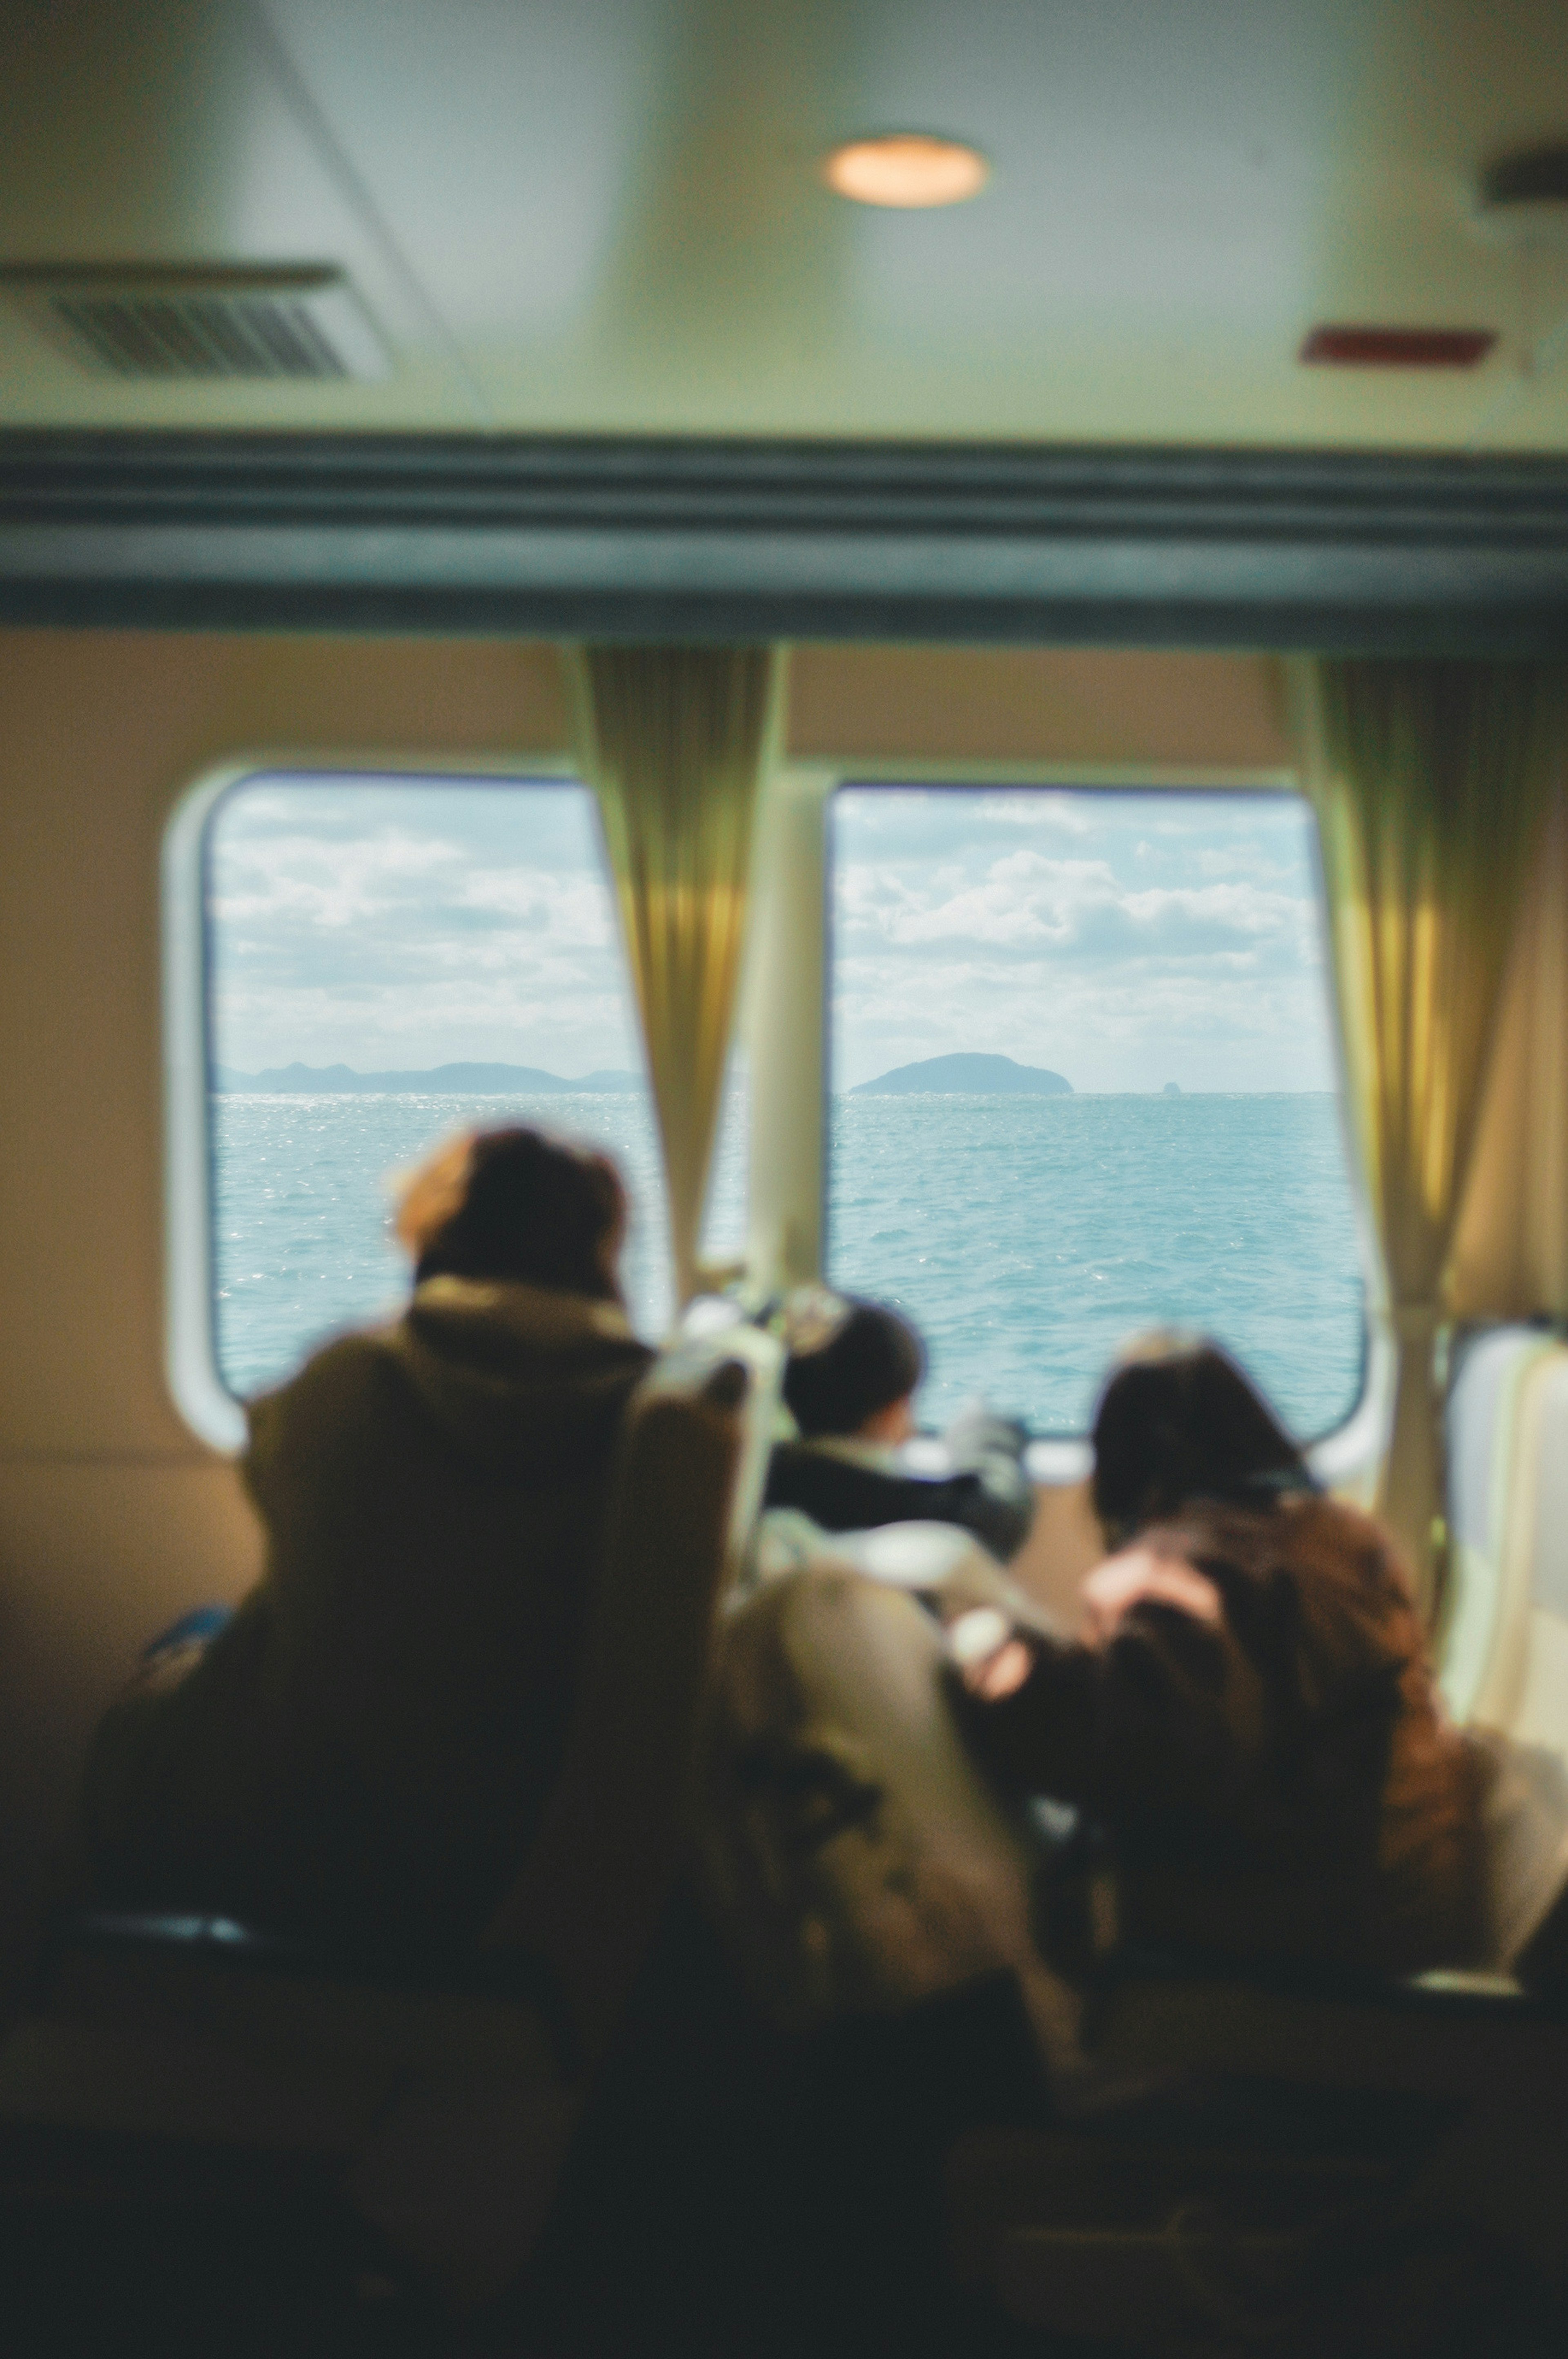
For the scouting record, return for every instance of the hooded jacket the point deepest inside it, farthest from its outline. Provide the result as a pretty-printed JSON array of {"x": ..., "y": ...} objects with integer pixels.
[
  {"x": 845, "y": 1484},
  {"x": 367, "y": 1746}
]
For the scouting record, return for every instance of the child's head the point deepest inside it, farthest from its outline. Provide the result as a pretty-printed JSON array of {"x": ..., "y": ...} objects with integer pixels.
[{"x": 858, "y": 1378}]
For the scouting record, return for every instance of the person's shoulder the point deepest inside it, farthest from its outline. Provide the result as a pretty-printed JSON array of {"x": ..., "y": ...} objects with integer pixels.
[
  {"x": 1324, "y": 1521},
  {"x": 1349, "y": 1574},
  {"x": 337, "y": 1379},
  {"x": 807, "y": 1464},
  {"x": 359, "y": 1355},
  {"x": 1307, "y": 1518},
  {"x": 1318, "y": 1544}
]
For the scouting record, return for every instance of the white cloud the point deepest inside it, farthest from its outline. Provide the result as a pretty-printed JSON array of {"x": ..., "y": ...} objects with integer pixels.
[
  {"x": 326, "y": 882},
  {"x": 1179, "y": 941},
  {"x": 1026, "y": 900},
  {"x": 1122, "y": 938},
  {"x": 349, "y": 928},
  {"x": 566, "y": 908},
  {"x": 1064, "y": 812}
]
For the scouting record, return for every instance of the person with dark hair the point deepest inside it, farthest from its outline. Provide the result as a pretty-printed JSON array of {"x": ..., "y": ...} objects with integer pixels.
[
  {"x": 516, "y": 1205},
  {"x": 1249, "y": 1717},
  {"x": 849, "y": 1381},
  {"x": 1178, "y": 1422},
  {"x": 366, "y": 1746},
  {"x": 855, "y": 1372}
]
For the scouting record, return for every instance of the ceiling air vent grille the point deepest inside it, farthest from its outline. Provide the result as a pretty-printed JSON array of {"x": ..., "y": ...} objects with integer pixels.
[{"x": 186, "y": 324}]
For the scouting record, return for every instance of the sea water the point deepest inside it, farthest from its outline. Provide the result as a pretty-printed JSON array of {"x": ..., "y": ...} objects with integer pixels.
[
  {"x": 1028, "y": 1238},
  {"x": 303, "y": 1189}
]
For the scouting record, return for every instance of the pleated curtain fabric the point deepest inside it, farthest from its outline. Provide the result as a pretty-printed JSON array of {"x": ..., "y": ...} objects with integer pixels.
[
  {"x": 675, "y": 742},
  {"x": 1511, "y": 1248},
  {"x": 1433, "y": 783}
]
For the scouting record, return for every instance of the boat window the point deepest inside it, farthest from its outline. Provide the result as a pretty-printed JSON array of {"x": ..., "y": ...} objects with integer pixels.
[
  {"x": 1083, "y": 1082},
  {"x": 388, "y": 961}
]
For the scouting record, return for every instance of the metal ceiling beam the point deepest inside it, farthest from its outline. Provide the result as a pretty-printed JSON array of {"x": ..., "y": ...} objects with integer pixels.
[{"x": 685, "y": 539}]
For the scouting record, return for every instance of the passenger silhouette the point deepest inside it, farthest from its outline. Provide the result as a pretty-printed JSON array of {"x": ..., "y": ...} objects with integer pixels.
[
  {"x": 1250, "y": 1715},
  {"x": 366, "y": 1746},
  {"x": 849, "y": 1381}
]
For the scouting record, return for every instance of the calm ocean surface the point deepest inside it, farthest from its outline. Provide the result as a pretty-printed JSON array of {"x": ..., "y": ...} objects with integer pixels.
[{"x": 1027, "y": 1237}]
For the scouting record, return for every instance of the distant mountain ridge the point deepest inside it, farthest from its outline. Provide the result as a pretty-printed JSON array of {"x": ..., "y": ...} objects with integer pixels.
[
  {"x": 509, "y": 1081},
  {"x": 968, "y": 1074}
]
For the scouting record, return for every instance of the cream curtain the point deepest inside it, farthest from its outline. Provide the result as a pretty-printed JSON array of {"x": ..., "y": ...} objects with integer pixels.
[
  {"x": 1433, "y": 783},
  {"x": 675, "y": 742},
  {"x": 1510, "y": 1249}
]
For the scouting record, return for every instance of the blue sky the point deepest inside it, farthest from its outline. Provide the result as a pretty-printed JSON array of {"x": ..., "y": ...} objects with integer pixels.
[
  {"x": 387, "y": 926},
  {"x": 1124, "y": 940}
]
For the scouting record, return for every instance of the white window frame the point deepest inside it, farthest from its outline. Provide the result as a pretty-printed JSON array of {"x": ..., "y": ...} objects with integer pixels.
[
  {"x": 787, "y": 1036},
  {"x": 191, "y": 1330},
  {"x": 783, "y": 1021}
]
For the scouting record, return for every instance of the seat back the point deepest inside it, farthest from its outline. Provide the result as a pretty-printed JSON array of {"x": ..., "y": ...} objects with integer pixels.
[
  {"x": 688, "y": 1481},
  {"x": 1505, "y": 1650},
  {"x": 1492, "y": 1437}
]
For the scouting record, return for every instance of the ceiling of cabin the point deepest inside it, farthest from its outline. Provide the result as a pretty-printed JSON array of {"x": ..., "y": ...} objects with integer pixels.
[{"x": 607, "y": 215}]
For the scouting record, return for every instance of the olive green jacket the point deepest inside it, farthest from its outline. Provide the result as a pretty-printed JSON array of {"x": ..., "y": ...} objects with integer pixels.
[{"x": 368, "y": 1744}]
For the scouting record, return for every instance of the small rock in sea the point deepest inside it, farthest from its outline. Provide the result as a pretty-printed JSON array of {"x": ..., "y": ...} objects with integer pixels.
[{"x": 1171, "y": 1090}]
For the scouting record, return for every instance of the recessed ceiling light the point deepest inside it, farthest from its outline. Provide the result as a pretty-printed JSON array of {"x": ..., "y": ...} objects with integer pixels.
[{"x": 907, "y": 169}]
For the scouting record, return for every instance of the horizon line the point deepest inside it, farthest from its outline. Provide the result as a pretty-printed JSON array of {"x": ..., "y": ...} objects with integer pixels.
[{"x": 639, "y": 1084}]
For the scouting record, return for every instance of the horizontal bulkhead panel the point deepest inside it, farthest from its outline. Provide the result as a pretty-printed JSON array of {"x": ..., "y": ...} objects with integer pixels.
[{"x": 726, "y": 540}]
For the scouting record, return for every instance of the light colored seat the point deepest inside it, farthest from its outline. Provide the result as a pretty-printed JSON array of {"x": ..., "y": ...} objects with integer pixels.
[
  {"x": 449, "y": 2110},
  {"x": 1508, "y": 1516},
  {"x": 1505, "y": 1646}
]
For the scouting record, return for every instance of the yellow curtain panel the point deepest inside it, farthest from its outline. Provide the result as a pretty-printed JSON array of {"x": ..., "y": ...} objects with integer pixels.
[
  {"x": 1511, "y": 1248},
  {"x": 1431, "y": 782},
  {"x": 675, "y": 742}
]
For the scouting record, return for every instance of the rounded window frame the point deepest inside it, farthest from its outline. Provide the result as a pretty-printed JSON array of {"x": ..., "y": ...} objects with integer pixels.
[
  {"x": 1347, "y": 1455},
  {"x": 192, "y": 1368}
]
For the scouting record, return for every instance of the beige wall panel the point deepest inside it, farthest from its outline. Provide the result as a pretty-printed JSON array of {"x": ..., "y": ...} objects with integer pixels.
[
  {"x": 1046, "y": 704},
  {"x": 99, "y": 732},
  {"x": 93, "y": 1561}
]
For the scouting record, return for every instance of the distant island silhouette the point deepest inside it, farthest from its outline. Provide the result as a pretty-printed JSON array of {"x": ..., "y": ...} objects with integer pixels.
[
  {"x": 967, "y": 1074},
  {"x": 511, "y": 1081}
]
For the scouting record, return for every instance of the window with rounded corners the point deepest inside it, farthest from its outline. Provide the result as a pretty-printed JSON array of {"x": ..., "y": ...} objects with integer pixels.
[
  {"x": 1083, "y": 1082},
  {"x": 359, "y": 964}
]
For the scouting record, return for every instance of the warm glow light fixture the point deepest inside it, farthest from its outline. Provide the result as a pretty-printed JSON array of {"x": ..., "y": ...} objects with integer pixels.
[{"x": 907, "y": 169}]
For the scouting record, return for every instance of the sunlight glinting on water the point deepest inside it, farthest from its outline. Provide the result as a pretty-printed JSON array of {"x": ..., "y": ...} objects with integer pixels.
[{"x": 1027, "y": 1237}]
